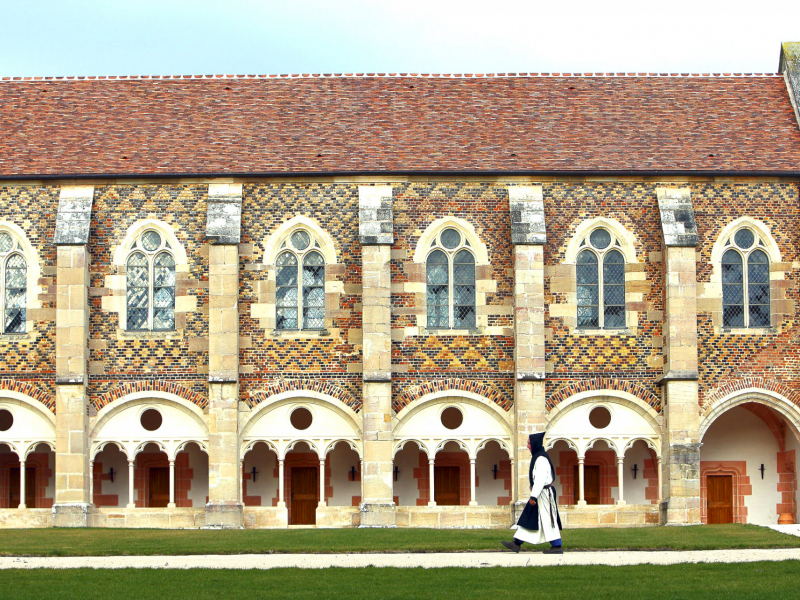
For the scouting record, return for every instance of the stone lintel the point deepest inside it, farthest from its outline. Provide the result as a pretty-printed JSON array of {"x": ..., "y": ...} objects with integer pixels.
[
  {"x": 677, "y": 217},
  {"x": 377, "y": 377},
  {"x": 531, "y": 376},
  {"x": 74, "y": 215},
  {"x": 790, "y": 67},
  {"x": 526, "y": 204},
  {"x": 375, "y": 216},
  {"x": 224, "y": 213},
  {"x": 70, "y": 380},
  {"x": 678, "y": 376}
]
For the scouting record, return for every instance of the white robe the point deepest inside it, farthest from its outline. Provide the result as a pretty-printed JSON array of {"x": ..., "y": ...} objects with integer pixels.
[{"x": 542, "y": 476}]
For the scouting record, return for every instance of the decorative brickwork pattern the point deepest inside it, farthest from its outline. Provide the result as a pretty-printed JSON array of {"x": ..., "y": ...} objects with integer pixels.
[
  {"x": 600, "y": 385},
  {"x": 727, "y": 360},
  {"x": 32, "y": 357},
  {"x": 45, "y": 396},
  {"x": 267, "y": 358},
  {"x": 169, "y": 387},
  {"x": 303, "y": 385},
  {"x": 409, "y": 395},
  {"x": 614, "y": 355},
  {"x": 117, "y": 355}
]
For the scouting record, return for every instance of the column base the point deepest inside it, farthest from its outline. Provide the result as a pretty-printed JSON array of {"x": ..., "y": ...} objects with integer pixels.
[
  {"x": 378, "y": 514},
  {"x": 581, "y": 502},
  {"x": 281, "y": 504},
  {"x": 224, "y": 515},
  {"x": 71, "y": 515},
  {"x": 171, "y": 505},
  {"x": 621, "y": 503},
  {"x": 129, "y": 505},
  {"x": 431, "y": 503},
  {"x": 22, "y": 506},
  {"x": 473, "y": 503}
]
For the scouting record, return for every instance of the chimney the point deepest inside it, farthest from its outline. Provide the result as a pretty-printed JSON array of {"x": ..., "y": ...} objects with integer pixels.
[{"x": 790, "y": 69}]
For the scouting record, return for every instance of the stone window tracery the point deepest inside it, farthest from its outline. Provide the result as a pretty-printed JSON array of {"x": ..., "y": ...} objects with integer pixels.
[
  {"x": 150, "y": 277},
  {"x": 14, "y": 280},
  {"x": 600, "y": 270},
  {"x": 450, "y": 279},
  {"x": 300, "y": 284},
  {"x": 745, "y": 281}
]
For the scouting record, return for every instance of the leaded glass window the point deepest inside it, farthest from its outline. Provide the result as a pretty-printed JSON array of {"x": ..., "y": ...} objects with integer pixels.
[
  {"x": 745, "y": 291},
  {"x": 300, "y": 284},
  {"x": 150, "y": 276},
  {"x": 450, "y": 276},
  {"x": 16, "y": 287},
  {"x": 601, "y": 299},
  {"x": 13, "y": 284}
]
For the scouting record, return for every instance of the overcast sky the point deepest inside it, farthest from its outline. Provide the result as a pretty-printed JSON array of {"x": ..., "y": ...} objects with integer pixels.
[{"x": 157, "y": 37}]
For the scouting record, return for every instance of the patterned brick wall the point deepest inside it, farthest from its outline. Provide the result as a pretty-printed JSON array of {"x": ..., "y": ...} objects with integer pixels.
[
  {"x": 30, "y": 360},
  {"x": 727, "y": 359},
  {"x": 145, "y": 359},
  {"x": 483, "y": 360},
  {"x": 267, "y": 360},
  {"x": 570, "y": 357}
]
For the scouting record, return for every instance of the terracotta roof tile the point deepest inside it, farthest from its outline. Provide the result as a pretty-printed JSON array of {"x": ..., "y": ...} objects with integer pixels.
[{"x": 209, "y": 125}]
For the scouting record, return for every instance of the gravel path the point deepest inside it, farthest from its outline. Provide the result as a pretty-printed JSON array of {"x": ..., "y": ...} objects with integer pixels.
[{"x": 452, "y": 559}]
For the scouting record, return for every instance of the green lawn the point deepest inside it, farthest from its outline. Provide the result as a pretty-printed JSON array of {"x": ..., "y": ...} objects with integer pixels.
[
  {"x": 704, "y": 581},
  {"x": 105, "y": 542}
]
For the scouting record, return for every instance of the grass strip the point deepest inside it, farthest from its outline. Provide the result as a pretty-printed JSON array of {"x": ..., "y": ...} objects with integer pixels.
[
  {"x": 149, "y": 542},
  {"x": 703, "y": 581}
]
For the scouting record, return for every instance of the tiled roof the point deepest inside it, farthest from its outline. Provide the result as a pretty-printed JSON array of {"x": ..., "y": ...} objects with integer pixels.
[{"x": 402, "y": 123}]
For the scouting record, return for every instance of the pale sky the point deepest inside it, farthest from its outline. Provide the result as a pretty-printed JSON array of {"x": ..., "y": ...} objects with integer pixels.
[{"x": 162, "y": 37}]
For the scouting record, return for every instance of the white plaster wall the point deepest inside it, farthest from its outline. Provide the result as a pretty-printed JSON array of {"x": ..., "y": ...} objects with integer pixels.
[
  {"x": 266, "y": 462},
  {"x": 634, "y": 489},
  {"x": 111, "y": 456},
  {"x": 406, "y": 488},
  {"x": 198, "y": 462},
  {"x": 739, "y": 435},
  {"x": 490, "y": 488},
  {"x": 341, "y": 459}
]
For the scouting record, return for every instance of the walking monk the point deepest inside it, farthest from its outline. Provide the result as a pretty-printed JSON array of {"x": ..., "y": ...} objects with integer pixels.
[{"x": 539, "y": 522}]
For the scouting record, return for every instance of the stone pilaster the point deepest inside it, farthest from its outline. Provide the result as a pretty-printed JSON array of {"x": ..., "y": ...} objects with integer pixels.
[
  {"x": 528, "y": 236},
  {"x": 376, "y": 237},
  {"x": 72, "y": 502},
  {"x": 681, "y": 439},
  {"x": 224, "y": 508}
]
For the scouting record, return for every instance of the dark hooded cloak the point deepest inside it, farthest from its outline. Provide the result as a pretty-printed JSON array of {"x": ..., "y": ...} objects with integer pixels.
[{"x": 529, "y": 519}]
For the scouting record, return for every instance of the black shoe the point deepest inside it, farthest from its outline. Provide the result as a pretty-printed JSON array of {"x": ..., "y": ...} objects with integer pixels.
[
  {"x": 511, "y": 546},
  {"x": 553, "y": 550}
]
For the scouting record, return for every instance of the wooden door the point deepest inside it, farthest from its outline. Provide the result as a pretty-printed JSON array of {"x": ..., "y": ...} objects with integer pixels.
[
  {"x": 591, "y": 484},
  {"x": 159, "y": 487},
  {"x": 30, "y": 487},
  {"x": 447, "y": 486},
  {"x": 305, "y": 495},
  {"x": 719, "y": 490}
]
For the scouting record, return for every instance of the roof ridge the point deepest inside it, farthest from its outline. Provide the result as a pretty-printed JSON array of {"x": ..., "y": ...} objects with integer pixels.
[{"x": 383, "y": 75}]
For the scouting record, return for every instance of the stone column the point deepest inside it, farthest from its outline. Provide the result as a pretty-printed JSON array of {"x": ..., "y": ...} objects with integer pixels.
[
  {"x": 528, "y": 237},
  {"x": 21, "y": 486},
  {"x": 131, "y": 493},
  {"x": 281, "y": 502},
  {"x": 224, "y": 509},
  {"x": 681, "y": 438},
  {"x": 322, "y": 483},
  {"x": 171, "y": 503},
  {"x": 431, "y": 490},
  {"x": 620, "y": 474},
  {"x": 581, "y": 496},
  {"x": 376, "y": 235},
  {"x": 72, "y": 502},
  {"x": 473, "y": 501}
]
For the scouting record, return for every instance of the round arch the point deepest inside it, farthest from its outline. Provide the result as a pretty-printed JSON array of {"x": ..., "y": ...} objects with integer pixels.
[
  {"x": 32, "y": 421},
  {"x": 551, "y": 442},
  {"x": 777, "y": 402},
  {"x": 109, "y": 411},
  {"x": 299, "y": 397},
  {"x": 403, "y": 443}
]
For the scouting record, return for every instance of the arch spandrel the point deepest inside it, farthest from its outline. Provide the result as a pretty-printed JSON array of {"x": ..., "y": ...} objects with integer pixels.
[{"x": 33, "y": 424}]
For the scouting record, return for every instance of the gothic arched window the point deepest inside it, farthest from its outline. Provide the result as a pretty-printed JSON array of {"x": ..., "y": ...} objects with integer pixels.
[
  {"x": 151, "y": 284},
  {"x": 745, "y": 290},
  {"x": 450, "y": 275},
  {"x": 601, "y": 299},
  {"x": 300, "y": 284},
  {"x": 14, "y": 283}
]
